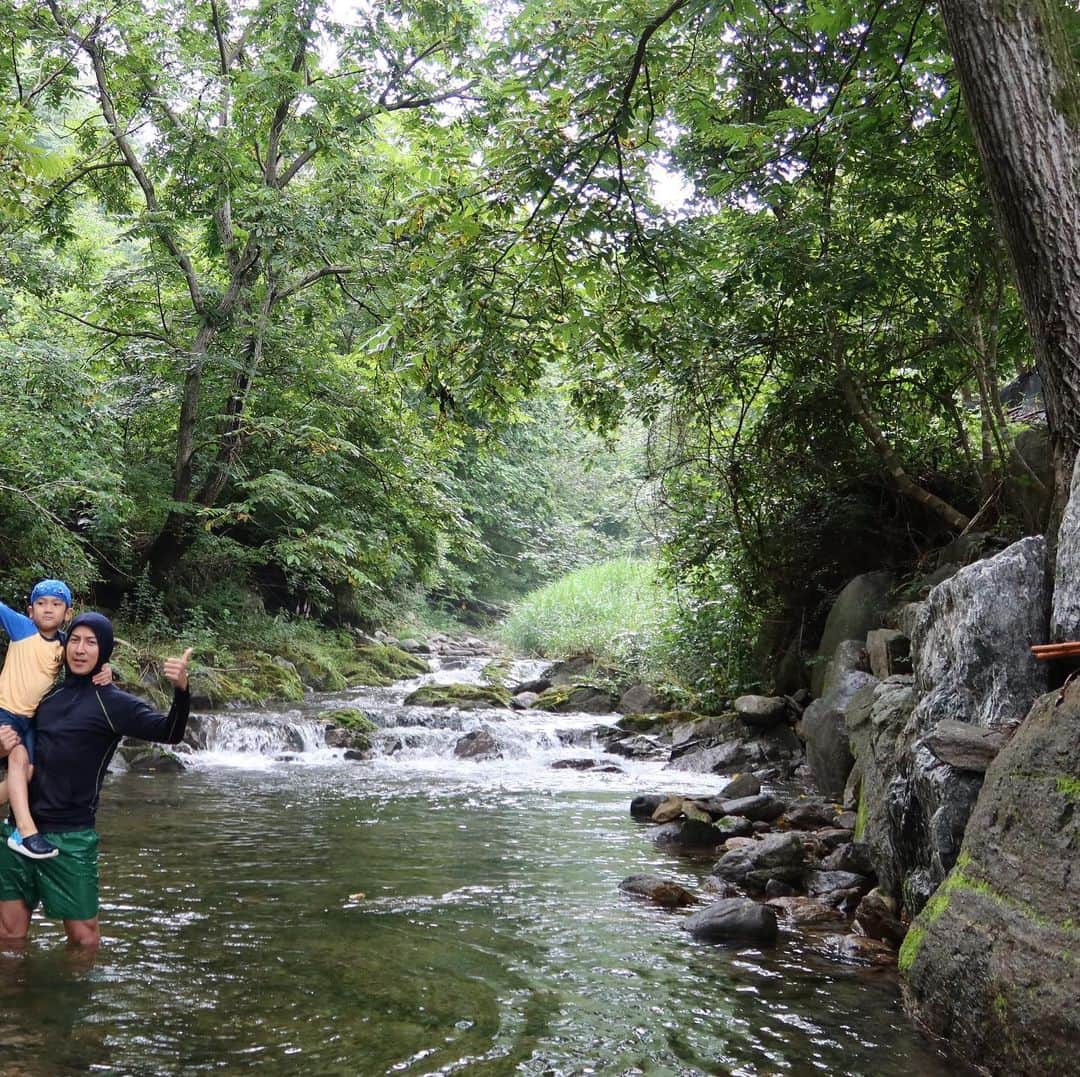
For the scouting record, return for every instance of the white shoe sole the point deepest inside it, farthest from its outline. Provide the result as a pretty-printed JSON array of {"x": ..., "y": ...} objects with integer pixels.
[{"x": 22, "y": 849}]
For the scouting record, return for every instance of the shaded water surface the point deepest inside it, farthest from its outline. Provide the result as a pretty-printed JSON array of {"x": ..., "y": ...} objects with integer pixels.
[{"x": 419, "y": 917}]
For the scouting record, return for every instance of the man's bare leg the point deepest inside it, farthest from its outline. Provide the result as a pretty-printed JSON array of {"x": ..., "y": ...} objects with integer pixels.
[
  {"x": 85, "y": 933},
  {"x": 14, "y": 921}
]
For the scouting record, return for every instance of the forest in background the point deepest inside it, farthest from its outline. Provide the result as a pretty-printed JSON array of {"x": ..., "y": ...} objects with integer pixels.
[{"x": 330, "y": 312}]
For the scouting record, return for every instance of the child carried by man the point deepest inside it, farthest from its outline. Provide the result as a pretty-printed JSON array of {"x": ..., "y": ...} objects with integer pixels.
[{"x": 34, "y": 657}]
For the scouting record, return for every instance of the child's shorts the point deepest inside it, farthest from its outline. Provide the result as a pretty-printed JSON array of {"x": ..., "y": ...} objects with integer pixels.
[{"x": 23, "y": 726}]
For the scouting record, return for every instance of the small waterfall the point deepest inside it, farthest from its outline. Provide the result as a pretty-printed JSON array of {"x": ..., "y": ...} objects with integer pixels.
[
  {"x": 256, "y": 733},
  {"x": 492, "y": 745}
]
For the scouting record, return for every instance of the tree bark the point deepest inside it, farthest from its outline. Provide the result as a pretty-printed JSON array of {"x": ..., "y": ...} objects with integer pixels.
[{"x": 1022, "y": 91}]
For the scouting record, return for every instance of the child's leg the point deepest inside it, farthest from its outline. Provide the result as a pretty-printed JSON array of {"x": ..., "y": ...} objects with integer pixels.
[{"x": 19, "y": 773}]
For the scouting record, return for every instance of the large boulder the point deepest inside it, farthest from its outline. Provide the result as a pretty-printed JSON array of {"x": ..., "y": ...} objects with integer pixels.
[
  {"x": 726, "y": 745},
  {"x": 971, "y": 642},
  {"x": 971, "y": 665},
  {"x": 991, "y": 962},
  {"x": 824, "y": 729},
  {"x": 859, "y": 607}
]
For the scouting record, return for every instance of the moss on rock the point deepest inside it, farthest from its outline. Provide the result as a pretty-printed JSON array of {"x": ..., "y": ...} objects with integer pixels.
[
  {"x": 378, "y": 665},
  {"x": 646, "y": 723},
  {"x": 348, "y": 718},
  {"x": 462, "y": 696}
]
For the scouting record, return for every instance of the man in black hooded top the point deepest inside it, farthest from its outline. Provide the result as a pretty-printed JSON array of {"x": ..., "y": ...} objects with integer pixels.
[{"x": 78, "y": 728}]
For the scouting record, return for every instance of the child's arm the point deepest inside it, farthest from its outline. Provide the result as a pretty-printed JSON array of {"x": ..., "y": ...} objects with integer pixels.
[
  {"x": 16, "y": 625},
  {"x": 103, "y": 678}
]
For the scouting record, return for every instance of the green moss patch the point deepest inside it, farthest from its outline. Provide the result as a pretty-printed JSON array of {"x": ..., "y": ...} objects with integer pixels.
[
  {"x": 1069, "y": 787},
  {"x": 378, "y": 665},
  {"x": 349, "y": 718},
  {"x": 910, "y": 947},
  {"x": 462, "y": 696}
]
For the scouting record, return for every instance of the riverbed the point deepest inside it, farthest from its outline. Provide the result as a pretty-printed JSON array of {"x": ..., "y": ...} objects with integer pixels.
[{"x": 286, "y": 910}]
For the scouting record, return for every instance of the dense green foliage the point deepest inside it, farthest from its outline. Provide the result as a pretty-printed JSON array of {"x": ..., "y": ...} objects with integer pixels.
[
  {"x": 312, "y": 314},
  {"x": 611, "y": 609}
]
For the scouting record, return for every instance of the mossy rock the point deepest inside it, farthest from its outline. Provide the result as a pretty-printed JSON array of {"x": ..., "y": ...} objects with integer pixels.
[
  {"x": 255, "y": 679},
  {"x": 462, "y": 696},
  {"x": 573, "y": 698},
  {"x": 646, "y": 723},
  {"x": 496, "y": 672},
  {"x": 348, "y": 718},
  {"x": 318, "y": 672},
  {"x": 378, "y": 665},
  {"x": 349, "y": 728},
  {"x": 150, "y": 759}
]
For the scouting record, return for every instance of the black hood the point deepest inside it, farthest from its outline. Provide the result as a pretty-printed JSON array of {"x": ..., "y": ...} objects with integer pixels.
[{"x": 102, "y": 628}]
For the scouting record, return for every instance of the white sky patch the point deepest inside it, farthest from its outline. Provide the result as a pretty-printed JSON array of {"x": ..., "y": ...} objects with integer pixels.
[{"x": 671, "y": 189}]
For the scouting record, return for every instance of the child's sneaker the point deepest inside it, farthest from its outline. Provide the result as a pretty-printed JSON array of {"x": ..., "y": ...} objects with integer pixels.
[{"x": 35, "y": 846}]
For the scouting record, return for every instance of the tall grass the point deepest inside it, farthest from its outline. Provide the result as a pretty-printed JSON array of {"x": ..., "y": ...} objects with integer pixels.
[{"x": 613, "y": 610}]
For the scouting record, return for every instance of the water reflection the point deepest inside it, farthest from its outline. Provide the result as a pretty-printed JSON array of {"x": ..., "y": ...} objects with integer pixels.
[{"x": 491, "y": 938}]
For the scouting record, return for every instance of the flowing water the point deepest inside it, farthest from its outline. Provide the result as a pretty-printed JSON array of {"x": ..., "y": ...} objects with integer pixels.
[{"x": 281, "y": 909}]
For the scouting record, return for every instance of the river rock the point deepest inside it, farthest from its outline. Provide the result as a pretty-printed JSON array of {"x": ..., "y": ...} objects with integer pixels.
[
  {"x": 642, "y": 699},
  {"x": 733, "y": 920},
  {"x": 688, "y": 835},
  {"x": 859, "y": 950},
  {"x": 741, "y": 785},
  {"x": 852, "y": 856},
  {"x": 461, "y": 696},
  {"x": 578, "y": 669},
  {"x": 858, "y": 608},
  {"x": 762, "y": 712},
  {"x": 643, "y": 806},
  {"x": 725, "y": 745},
  {"x": 876, "y": 918},
  {"x": 805, "y": 912},
  {"x": 148, "y": 760},
  {"x": 889, "y": 652},
  {"x": 965, "y": 746},
  {"x": 639, "y": 747},
  {"x": 752, "y": 865},
  {"x": 524, "y": 700},
  {"x": 660, "y": 891},
  {"x": 991, "y": 962},
  {"x": 575, "y": 699},
  {"x": 479, "y": 744},
  {"x": 824, "y": 728},
  {"x": 851, "y": 656},
  {"x": 810, "y": 813},
  {"x": 820, "y": 883},
  {"x": 761, "y": 807},
  {"x": 668, "y": 810}
]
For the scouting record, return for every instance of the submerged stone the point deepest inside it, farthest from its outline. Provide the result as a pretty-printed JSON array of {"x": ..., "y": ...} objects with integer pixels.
[{"x": 733, "y": 920}]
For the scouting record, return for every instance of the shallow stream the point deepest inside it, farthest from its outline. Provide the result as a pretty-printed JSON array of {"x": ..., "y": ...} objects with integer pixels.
[{"x": 278, "y": 908}]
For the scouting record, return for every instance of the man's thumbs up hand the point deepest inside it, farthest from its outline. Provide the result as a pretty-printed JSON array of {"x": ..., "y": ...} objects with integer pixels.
[{"x": 176, "y": 670}]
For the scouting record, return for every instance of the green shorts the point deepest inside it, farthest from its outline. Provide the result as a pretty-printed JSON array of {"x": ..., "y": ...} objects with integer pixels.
[{"x": 65, "y": 885}]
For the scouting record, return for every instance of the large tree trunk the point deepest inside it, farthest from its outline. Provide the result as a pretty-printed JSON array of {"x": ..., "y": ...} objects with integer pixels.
[{"x": 1020, "y": 83}]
